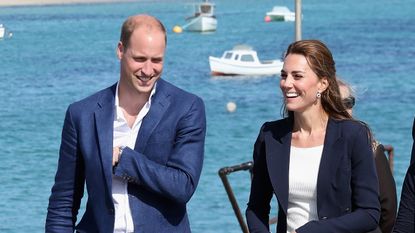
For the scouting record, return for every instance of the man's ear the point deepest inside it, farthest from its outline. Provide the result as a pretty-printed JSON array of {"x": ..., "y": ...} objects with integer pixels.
[{"x": 120, "y": 50}]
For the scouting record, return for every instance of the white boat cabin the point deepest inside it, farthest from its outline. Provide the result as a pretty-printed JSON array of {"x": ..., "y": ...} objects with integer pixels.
[
  {"x": 243, "y": 54},
  {"x": 204, "y": 9}
]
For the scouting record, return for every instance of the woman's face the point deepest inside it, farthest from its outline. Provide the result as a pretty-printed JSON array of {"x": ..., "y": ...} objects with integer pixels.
[{"x": 300, "y": 85}]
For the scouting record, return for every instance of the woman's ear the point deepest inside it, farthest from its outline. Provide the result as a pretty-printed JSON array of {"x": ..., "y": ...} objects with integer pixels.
[{"x": 324, "y": 84}]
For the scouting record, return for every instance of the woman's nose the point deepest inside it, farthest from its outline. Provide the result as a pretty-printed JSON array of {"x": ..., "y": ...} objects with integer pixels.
[{"x": 287, "y": 82}]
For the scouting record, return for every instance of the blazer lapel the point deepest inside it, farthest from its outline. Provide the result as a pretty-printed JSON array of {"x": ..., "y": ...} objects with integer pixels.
[
  {"x": 104, "y": 121},
  {"x": 330, "y": 158},
  {"x": 278, "y": 143},
  {"x": 159, "y": 105}
]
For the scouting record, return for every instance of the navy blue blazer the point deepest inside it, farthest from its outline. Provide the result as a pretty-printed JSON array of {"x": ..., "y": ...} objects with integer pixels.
[
  {"x": 162, "y": 170},
  {"x": 413, "y": 146},
  {"x": 405, "y": 222},
  {"x": 347, "y": 185}
]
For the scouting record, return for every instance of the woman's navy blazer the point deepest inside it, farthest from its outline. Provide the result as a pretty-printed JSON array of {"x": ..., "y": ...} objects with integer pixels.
[{"x": 347, "y": 184}]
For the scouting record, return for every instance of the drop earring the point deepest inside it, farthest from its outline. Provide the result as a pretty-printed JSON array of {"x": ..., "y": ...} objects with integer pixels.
[{"x": 318, "y": 95}]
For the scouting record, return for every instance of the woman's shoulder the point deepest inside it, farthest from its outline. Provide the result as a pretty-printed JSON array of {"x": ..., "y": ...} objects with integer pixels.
[
  {"x": 352, "y": 130},
  {"x": 276, "y": 129},
  {"x": 351, "y": 124},
  {"x": 281, "y": 123}
]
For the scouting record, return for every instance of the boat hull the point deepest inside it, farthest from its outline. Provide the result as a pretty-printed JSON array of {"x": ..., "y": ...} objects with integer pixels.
[
  {"x": 202, "y": 24},
  {"x": 220, "y": 66},
  {"x": 281, "y": 18}
]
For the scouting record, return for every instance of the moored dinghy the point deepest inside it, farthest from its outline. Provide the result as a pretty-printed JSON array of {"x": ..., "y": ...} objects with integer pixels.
[
  {"x": 2, "y": 31},
  {"x": 280, "y": 13}
]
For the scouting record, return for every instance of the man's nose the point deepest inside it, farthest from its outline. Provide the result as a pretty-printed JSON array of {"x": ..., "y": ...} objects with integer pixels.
[{"x": 147, "y": 68}]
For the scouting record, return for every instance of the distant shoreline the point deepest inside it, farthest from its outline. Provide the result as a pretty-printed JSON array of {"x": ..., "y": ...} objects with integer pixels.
[{"x": 4, "y": 3}]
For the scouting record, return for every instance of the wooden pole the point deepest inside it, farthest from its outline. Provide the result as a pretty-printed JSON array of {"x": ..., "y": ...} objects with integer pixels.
[{"x": 298, "y": 15}]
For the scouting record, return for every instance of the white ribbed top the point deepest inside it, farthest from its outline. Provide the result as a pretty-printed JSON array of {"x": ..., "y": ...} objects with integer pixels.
[{"x": 302, "y": 195}]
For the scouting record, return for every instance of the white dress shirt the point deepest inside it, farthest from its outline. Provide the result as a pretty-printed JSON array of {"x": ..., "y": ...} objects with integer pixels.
[{"x": 125, "y": 136}]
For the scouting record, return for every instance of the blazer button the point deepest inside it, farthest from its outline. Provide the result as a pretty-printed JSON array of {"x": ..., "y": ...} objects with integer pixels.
[{"x": 111, "y": 211}]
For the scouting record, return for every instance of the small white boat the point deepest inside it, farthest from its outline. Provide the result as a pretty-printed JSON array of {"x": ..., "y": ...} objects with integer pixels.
[
  {"x": 280, "y": 13},
  {"x": 203, "y": 19},
  {"x": 2, "y": 31},
  {"x": 243, "y": 60}
]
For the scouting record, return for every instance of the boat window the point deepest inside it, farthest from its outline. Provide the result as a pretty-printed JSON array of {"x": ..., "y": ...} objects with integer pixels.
[
  {"x": 247, "y": 58},
  {"x": 236, "y": 57},
  {"x": 205, "y": 9},
  {"x": 228, "y": 56}
]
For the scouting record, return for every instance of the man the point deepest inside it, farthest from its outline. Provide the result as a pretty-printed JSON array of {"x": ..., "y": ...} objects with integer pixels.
[
  {"x": 137, "y": 145},
  {"x": 387, "y": 187},
  {"x": 405, "y": 222}
]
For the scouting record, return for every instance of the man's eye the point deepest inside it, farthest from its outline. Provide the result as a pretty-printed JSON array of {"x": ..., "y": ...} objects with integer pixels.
[
  {"x": 283, "y": 76},
  {"x": 140, "y": 59},
  {"x": 157, "y": 60}
]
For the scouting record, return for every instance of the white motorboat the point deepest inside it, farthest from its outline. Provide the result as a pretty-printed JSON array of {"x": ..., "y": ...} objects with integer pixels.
[
  {"x": 2, "y": 31},
  {"x": 203, "y": 19},
  {"x": 243, "y": 60},
  {"x": 280, "y": 13}
]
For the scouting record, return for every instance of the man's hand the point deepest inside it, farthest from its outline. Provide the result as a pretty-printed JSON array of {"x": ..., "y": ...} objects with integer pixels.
[{"x": 116, "y": 152}]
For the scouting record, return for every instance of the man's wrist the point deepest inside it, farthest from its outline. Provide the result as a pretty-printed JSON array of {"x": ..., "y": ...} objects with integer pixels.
[{"x": 120, "y": 150}]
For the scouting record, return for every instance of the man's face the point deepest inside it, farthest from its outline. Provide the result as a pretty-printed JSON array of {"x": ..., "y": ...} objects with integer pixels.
[{"x": 142, "y": 60}]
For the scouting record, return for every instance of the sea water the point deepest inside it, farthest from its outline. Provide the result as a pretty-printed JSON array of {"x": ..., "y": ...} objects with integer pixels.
[{"x": 60, "y": 54}]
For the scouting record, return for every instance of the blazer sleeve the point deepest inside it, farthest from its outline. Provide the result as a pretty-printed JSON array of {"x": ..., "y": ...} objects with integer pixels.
[
  {"x": 387, "y": 191},
  {"x": 177, "y": 180},
  {"x": 405, "y": 222},
  {"x": 68, "y": 189},
  {"x": 257, "y": 212},
  {"x": 413, "y": 145},
  {"x": 363, "y": 215}
]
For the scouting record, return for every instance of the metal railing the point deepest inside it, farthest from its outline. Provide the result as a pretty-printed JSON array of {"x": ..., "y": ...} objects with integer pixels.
[{"x": 223, "y": 172}]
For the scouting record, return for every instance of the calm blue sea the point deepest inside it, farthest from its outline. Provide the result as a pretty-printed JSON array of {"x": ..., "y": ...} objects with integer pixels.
[{"x": 60, "y": 54}]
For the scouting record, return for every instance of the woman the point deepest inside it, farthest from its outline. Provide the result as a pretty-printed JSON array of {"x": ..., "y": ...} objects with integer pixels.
[
  {"x": 318, "y": 160},
  {"x": 387, "y": 186}
]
